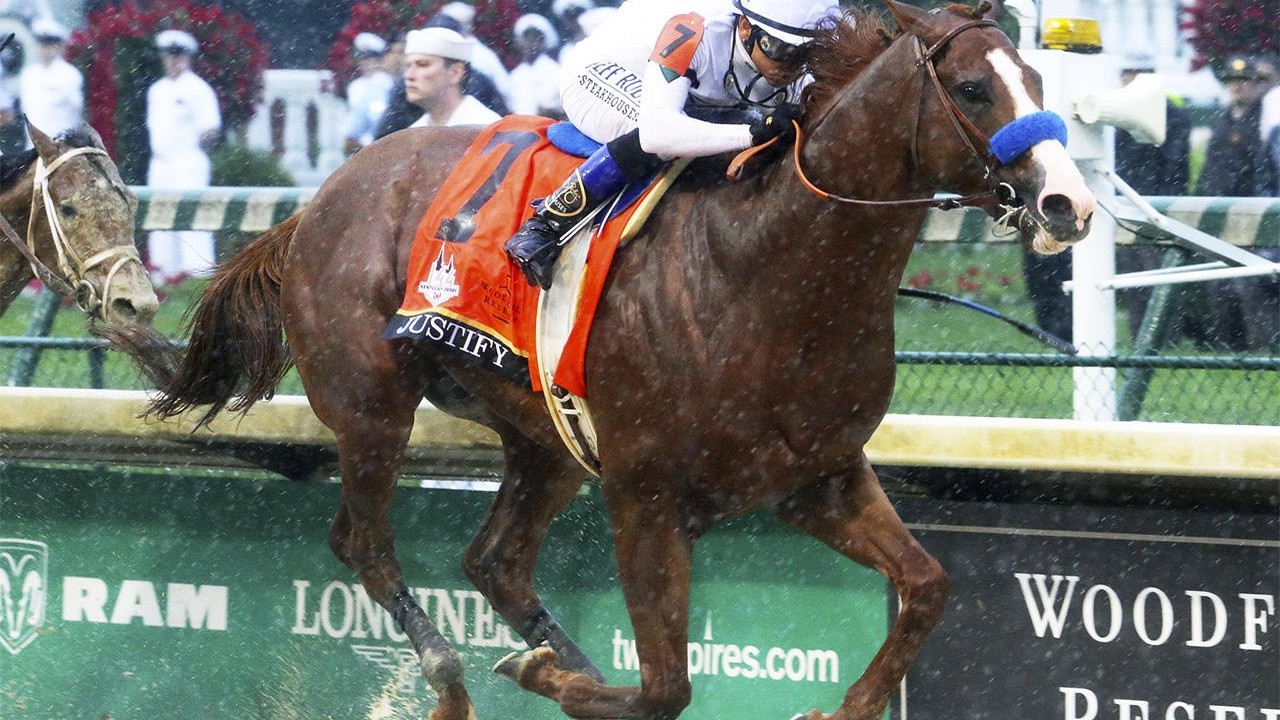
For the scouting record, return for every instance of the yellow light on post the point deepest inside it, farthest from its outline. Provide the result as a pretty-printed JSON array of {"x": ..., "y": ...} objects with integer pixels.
[{"x": 1081, "y": 35}]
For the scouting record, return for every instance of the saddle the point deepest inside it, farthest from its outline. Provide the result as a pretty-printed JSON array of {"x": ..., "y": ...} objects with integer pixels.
[{"x": 465, "y": 295}]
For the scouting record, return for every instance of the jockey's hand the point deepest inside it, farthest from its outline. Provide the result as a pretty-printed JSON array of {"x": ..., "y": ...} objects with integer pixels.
[{"x": 776, "y": 124}]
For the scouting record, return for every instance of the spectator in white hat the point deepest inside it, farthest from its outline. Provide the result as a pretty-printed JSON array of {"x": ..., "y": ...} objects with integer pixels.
[
  {"x": 483, "y": 59},
  {"x": 367, "y": 94},
  {"x": 535, "y": 82},
  {"x": 183, "y": 120},
  {"x": 568, "y": 16},
  {"x": 436, "y": 66},
  {"x": 51, "y": 89},
  {"x": 29, "y": 11}
]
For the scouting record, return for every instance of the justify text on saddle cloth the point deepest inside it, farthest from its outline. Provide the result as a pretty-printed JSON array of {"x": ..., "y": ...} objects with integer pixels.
[{"x": 462, "y": 292}]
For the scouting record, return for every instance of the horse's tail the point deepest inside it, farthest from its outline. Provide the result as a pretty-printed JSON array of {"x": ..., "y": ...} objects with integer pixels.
[{"x": 236, "y": 355}]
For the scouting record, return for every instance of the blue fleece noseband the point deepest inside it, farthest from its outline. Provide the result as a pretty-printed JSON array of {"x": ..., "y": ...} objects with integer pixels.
[{"x": 1024, "y": 133}]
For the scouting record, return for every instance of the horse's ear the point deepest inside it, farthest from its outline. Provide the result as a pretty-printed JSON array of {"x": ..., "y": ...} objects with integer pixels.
[
  {"x": 989, "y": 10},
  {"x": 43, "y": 143},
  {"x": 911, "y": 19}
]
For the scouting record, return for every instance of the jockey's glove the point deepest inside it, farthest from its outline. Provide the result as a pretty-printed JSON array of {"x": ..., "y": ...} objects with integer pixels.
[{"x": 776, "y": 124}]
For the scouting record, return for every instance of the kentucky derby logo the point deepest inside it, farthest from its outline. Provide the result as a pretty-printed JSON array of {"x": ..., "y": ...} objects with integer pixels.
[
  {"x": 441, "y": 283},
  {"x": 24, "y": 568}
]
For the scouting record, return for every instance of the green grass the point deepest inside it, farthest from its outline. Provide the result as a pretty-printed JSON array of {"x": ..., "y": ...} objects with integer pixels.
[
  {"x": 989, "y": 275},
  {"x": 67, "y": 368},
  {"x": 986, "y": 273}
]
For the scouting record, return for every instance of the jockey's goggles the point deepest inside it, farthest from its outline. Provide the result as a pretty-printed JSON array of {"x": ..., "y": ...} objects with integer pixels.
[{"x": 773, "y": 48}]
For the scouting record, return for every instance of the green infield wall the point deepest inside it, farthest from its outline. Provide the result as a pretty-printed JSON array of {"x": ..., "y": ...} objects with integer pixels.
[
  {"x": 1099, "y": 571},
  {"x": 172, "y": 596},
  {"x": 185, "y": 594}
]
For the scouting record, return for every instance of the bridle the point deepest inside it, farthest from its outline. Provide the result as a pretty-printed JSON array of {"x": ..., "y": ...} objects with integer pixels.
[
  {"x": 959, "y": 121},
  {"x": 963, "y": 126},
  {"x": 972, "y": 136},
  {"x": 72, "y": 282}
]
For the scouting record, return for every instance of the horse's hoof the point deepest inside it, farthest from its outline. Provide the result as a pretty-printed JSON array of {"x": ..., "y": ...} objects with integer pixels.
[
  {"x": 531, "y": 669},
  {"x": 453, "y": 704},
  {"x": 509, "y": 666}
]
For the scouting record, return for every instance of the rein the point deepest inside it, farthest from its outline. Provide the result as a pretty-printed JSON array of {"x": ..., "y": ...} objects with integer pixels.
[
  {"x": 961, "y": 123},
  {"x": 73, "y": 282}
]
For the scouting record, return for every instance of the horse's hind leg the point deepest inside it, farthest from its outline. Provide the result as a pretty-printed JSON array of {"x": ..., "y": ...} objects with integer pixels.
[
  {"x": 371, "y": 418},
  {"x": 500, "y": 560},
  {"x": 853, "y": 516}
]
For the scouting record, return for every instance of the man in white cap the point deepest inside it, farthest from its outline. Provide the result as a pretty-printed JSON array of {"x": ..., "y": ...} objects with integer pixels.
[
  {"x": 28, "y": 11},
  {"x": 367, "y": 94},
  {"x": 436, "y": 67},
  {"x": 535, "y": 82},
  {"x": 51, "y": 89},
  {"x": 483, "y": 59},
  {"x": 183, "y": 119},
  {"x": 568, "y": 14}
]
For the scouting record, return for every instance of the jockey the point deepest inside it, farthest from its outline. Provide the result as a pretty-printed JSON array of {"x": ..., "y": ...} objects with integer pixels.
[{"x": 720, "y": 79}]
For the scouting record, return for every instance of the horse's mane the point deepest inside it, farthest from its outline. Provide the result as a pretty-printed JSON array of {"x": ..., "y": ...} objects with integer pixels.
[
  {"x": 968, "y": 11},
  {"x": 11, "y": 166},
  {"x": 841, "y": 52},
  {"x": 78, "y": 137}
]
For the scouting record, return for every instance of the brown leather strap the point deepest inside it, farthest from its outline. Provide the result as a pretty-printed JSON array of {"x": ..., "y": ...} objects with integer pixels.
[
  {"x": 42, "y": 271},
  {"x": 941, "y": 203},
  {"x": 961, "y": 122},
  {"x": 741, "y": 159}
]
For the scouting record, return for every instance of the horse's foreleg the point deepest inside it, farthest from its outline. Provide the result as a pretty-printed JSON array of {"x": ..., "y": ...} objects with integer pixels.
[
  {"x": 853, "y": 516},
  {"x": 500, "y": 560},
  {"x": 653, "y": 549},
  {"x": 361, "y": 536}
]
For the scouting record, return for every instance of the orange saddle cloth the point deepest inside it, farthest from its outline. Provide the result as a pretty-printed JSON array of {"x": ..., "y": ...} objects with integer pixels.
[{"x": 463, "y": 292}]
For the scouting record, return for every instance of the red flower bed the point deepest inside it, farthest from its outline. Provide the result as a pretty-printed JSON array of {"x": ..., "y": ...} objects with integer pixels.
[
  {"x": 116, "y": 52},
  {"x": 1219, "y": 29}
]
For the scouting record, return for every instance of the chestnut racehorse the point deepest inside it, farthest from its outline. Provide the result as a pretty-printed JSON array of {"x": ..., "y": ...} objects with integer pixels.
[
  {"x": 741, "y": 357},
  {"x": 68, "y": 219}
]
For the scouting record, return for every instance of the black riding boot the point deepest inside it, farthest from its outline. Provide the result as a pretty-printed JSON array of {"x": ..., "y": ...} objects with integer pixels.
[{"x": 536, "y": 246}]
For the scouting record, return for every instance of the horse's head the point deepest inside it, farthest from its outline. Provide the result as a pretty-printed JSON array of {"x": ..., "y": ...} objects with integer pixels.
[
  {"x": 81, "y": 225},
  {"x": 984, "y": 107}
]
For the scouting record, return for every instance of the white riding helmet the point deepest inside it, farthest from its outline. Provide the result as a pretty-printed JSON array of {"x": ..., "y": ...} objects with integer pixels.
[{"x": 791, "y": 21}]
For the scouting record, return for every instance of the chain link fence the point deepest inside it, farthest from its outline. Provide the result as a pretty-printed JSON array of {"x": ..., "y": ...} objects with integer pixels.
[
  {"x": 1238, "y": 390},
  {"x": 956, "y": 254},
  {"x": 1233, "y": 390}
]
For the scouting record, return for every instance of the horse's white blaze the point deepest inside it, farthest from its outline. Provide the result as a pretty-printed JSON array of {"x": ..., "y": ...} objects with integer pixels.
[
  {"x": 1062, "y": 177},
  {"x": 1009, "y": 72}
]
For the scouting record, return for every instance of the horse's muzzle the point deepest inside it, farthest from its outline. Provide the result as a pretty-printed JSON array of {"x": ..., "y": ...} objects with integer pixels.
[{"x": 1064, "y": 205}]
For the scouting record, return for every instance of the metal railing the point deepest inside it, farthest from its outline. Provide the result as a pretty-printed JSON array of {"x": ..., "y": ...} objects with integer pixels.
[
  {"x": 1244, "y": 388},
  {"x": 1200, "y": 389}
]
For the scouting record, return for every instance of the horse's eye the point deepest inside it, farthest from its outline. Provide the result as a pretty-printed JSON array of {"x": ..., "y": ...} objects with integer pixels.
[
  {"x": 972, "y": 92},
  {"x": 68, "y": 210}
]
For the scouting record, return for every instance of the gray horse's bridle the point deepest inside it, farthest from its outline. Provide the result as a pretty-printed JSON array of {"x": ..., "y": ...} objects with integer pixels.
[{"x": 71, "y": 280}]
